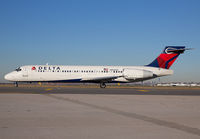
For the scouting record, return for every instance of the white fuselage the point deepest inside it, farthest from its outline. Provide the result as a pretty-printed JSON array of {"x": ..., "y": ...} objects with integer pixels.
[{"x": 59, "y": 73}]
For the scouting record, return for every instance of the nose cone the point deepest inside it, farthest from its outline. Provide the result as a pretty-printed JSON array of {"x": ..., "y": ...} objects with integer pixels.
[{"x": 9, "y": 77}]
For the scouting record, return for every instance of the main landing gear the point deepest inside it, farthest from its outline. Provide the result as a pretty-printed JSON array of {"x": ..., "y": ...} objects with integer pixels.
[
  {"x": 16, "y": 84},
  {"x": 102, "y": 85}
]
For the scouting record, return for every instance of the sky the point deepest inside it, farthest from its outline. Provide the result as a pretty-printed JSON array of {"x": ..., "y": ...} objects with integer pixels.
[{"x": 99, "y": 32}]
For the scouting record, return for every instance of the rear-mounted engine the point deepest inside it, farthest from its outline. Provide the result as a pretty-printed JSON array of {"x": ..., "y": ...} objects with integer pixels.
[{"x": 133, "y": 74}]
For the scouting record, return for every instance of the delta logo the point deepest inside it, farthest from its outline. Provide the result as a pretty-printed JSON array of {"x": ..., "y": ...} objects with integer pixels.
[
  {"x": 33, "y": 68},
  {"x": 46, "y": 68}
]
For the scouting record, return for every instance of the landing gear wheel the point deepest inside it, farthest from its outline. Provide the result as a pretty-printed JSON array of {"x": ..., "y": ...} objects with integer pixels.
[
  {"x": 16, "y": 84},
  {"x": 102, "y": 85}
]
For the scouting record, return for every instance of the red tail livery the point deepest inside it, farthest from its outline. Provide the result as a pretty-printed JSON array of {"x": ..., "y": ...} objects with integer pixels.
[{"x": 167, "y": 57}]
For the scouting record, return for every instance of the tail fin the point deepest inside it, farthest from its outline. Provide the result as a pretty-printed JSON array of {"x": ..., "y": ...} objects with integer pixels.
[{"x": 167, "y": 57}]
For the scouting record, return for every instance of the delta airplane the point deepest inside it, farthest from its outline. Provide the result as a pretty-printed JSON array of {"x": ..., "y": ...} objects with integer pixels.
[{"x": 98, "y": 74}]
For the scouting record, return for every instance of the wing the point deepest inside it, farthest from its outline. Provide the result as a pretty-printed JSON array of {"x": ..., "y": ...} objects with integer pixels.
[{"x": 100, "y": 79}]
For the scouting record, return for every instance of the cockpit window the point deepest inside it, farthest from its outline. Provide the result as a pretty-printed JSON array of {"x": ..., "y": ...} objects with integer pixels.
[{"x": 18, "y": 69}]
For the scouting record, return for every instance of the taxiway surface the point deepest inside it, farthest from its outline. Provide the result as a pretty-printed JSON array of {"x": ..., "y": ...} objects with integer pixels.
[{"x": 95, "y": 113}]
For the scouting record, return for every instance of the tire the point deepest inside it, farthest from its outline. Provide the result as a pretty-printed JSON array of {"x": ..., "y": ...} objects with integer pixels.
[{"x": 102, "y": 85}]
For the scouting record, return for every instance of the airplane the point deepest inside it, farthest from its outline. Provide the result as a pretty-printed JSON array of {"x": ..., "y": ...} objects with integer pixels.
[{"x": 98, "y": 74}]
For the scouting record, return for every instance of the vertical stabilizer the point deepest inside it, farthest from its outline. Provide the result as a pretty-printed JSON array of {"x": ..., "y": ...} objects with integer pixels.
[{"x": 167, "y": 57}]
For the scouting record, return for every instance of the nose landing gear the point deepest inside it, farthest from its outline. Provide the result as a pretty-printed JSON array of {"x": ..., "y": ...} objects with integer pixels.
[{"x": 16, "y": 84}]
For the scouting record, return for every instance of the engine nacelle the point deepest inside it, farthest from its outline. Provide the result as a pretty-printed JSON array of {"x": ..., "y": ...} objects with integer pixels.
[{"x": 133, "y": 74}]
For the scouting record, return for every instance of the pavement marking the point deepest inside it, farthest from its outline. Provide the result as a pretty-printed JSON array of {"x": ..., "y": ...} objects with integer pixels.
[
  {"x": 149, "y": 119},
  {"x": 48, "y": 89},
  {"x": 143, "y": 90}
]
